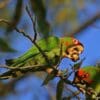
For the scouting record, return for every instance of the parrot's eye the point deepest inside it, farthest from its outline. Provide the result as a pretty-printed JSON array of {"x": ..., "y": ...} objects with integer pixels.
[
  {"x": 67, "y": 53},
  {"x": 76, "y": 49}
]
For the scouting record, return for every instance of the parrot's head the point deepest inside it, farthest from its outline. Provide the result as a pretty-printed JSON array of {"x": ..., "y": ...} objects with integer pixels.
[
  {"x": 83, "y": 77},
  {"x": 72, "y": 48}
]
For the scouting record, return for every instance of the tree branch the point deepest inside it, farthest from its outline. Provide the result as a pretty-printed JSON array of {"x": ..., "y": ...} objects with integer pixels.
[
  {"x": 18, "y": 30},
  {"x": 87, "y": 15},
  {"x": 32, "y": 40},
  {"x": 85, "y": 25},
  {"x": 35, "y": 36},
  {"x": 33, "y": 23},
  {"x": 14, "y": 72}
]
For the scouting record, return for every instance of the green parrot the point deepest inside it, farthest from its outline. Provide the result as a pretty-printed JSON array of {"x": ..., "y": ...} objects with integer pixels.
[
  {"x": 51, "y": 46},
  {"x": 89, "y": 76}
]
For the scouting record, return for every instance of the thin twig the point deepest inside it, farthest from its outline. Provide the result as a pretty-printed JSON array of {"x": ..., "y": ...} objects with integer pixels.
[
  {"x": 35, "y": 36},
  {"x": 18, "y": 30},
  {"x": 13, "y": 71},
  {"x": 32, "y": 40},
  {"x": 29, "y": 13},
  {"x": 23, "y": 68},
  {"x": 24, "y": 34},
  {"x": 33, "y": 23},
  {"x": 84, "y": 25},
  {"x": 87, "y": 15},
  {"x": 5, "y": 66},
  {"x": 40, "y": 50}
]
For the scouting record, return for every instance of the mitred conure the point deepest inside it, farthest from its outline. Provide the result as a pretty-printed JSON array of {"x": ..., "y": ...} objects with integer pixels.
[
  {"x": 71, "y": 48},
  {"x": 88, "y": 78},
  {"x": 51, "y": 46}
]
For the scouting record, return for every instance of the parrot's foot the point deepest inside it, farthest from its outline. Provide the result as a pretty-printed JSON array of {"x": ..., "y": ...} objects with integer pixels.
[
  {"x": 90, "y": 92},
  {"x": 50, "y": 70}
]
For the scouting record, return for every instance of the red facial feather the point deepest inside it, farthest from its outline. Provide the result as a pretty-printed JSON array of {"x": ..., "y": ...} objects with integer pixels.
[
  {"x": 84, "y": 76},
  {"x": 67, "y": 43},
  {"x": 80, "y": 72},
  {"x": 75, "y": 41}
]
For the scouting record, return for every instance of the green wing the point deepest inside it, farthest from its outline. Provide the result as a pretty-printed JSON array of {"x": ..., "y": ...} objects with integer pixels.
[{"x": 45, "y": 44}]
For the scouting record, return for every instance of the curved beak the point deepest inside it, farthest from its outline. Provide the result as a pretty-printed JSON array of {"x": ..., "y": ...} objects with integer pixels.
[
  {"x": 74, "y": 52},
  {"x": 75, "y": 57}
]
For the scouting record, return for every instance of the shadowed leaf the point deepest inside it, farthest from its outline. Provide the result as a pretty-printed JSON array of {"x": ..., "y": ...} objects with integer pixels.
[
  {"x": 59, "y": 90},
  {"x": 5, "y": 47},
  {"x": 38, "y": 8},
  {"x": 16, "y": 17},
  {"x": 49, "y": 77},
  {"x": 40, "y": 12}
]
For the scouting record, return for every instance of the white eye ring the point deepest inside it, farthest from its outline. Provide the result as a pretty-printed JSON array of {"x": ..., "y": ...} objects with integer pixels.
[{"x": 75, "y": 41}]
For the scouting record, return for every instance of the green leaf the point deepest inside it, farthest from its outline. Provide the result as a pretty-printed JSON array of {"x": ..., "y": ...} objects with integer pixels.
[
  {"x": 40, "y": 12},
  {"x": 38, "y": 8},
  {"x": 16, "y": 17},
  {"x": 5, "y": 47},
  {"x": 59, "y": 91},
  {"x": 49, "y": 77}
]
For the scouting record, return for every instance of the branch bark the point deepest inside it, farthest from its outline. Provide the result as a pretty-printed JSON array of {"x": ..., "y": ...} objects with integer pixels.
[{"x": 85, "y": 25}]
